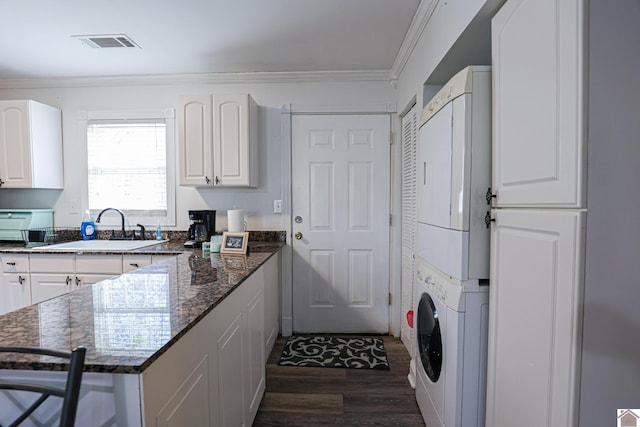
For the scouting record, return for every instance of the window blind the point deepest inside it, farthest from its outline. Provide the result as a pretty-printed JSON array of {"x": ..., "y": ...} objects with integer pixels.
[{"x": 127, "y": 166}]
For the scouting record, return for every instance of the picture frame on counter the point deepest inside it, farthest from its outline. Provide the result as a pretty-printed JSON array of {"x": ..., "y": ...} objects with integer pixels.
[{"x": 234, "y": 243}]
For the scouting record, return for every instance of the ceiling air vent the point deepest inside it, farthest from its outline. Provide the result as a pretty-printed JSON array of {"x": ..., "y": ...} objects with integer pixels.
[{"x": 101, "y": 41}]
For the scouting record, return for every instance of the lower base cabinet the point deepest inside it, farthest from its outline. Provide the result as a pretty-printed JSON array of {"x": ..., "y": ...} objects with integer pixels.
[
  {"x": 16, "y": 291},
  {"x": 215, "y": 376}
]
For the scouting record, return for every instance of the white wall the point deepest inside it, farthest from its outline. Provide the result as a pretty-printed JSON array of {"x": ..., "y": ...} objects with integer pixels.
[
  {"x": 449, "y": 21},
  {"x": 257, "y": 202},
  {"x": 610, "y": 377}
]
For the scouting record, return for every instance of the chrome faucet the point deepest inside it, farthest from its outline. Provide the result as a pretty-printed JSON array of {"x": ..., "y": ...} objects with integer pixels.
[{"x": 122, "y": 231}]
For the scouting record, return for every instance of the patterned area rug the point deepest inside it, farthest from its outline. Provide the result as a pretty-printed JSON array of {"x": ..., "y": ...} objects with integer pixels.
[{"x": 334, "y": 352}]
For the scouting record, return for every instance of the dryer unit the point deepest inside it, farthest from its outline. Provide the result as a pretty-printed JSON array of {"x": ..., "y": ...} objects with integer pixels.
[{"x": 454, "y": 173}]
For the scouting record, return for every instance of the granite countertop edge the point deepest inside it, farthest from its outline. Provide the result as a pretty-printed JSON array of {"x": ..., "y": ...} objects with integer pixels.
[{"x": 204, "y": 275}]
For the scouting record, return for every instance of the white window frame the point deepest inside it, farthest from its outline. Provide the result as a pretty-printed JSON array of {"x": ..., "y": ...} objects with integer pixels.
[{"x": 111, "y": 219}]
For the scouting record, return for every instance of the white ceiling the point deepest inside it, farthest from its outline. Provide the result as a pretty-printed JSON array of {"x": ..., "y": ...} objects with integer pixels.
[{"x": 200, "y": 36}]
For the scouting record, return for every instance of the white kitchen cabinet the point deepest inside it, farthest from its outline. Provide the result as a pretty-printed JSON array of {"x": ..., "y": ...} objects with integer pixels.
[
  {"x": 92, "y": 269},
  {"x": 271, "y": 270},
  {"x": 195, "y": 140},
  {"x": 538, "y": 120},
  {"x": 30, "y": 145},
  {"x": 157, "y": 258},
  {"x": 51, "y": 275},
  {"x": 537, "y": 253},
  {"x": 535, "y": 301},
  {"x": 218, "y": 140},
  {"x": 253, "y": 315},
  {"x": 235, "y": 140},
  {"x": 132, "y": 262},
  {"x": 15, "y": 285},
  {"x": 230, "y": 360},
  {"x": 216, "y": 375},
  {"x": 57, "y": 274},
  {"x": 45, "y": 286}
]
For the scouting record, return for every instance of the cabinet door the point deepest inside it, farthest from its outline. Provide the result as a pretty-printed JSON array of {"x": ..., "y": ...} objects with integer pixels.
[
  {"x": 538, "y": 118},
  {"x": 45, "y": 286},
  {"x": 194, "y": 139},
  {"x": 235, "y": 132},
  {"x": 30, "y": 145},
  {"x": 534, "y": 322},
  {"x": 254, "y": 338},
  {"x": 15, "y": 145},
  {"x": 271, "y": 274},
  {"x": 231, "y": 372},
  {"x": 16, "y": 292},
  {"x": 85, "y": 279}
]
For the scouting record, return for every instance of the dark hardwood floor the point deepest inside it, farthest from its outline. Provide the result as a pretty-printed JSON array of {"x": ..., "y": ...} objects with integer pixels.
[{"x": 310, "y": 397}]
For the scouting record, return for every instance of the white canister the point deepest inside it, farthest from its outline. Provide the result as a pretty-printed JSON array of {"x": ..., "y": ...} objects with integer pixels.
[{"x": 235, "y": 220}]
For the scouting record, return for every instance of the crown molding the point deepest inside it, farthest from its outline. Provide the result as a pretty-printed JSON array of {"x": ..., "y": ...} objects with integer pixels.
[
  {"x": 202, "y": 78},
  {"x": 338, "y": 109},
  {"x": 418, "y": 23}
]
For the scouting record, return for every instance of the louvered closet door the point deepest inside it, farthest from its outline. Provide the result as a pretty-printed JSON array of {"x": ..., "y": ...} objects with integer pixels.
[{"x": 409, "y": 156}]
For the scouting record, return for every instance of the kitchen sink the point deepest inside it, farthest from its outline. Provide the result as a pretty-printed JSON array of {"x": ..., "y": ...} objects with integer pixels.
[{"x": 99, "y": 245}]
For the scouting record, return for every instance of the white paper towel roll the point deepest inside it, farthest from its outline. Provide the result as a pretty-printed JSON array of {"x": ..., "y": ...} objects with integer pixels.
[{"x": 235, "y": 220}]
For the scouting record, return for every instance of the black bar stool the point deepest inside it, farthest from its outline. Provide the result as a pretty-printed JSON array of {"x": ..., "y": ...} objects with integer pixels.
[{"x": 69, "y": 394}]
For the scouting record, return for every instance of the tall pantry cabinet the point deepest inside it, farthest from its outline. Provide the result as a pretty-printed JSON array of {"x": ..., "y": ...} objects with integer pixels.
[
  {"x": 539, "y": 213},
  {"x": 564, "y": 321}
]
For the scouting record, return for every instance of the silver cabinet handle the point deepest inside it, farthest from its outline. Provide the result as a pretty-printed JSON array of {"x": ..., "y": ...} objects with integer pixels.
[
  {"x": 13, "y": 264},
  {"x": 21, "y": 280},
  {"x": 68, "y": 280},
  {"x": 134, "y": 264},
  {"x": 78, "y": 281}
]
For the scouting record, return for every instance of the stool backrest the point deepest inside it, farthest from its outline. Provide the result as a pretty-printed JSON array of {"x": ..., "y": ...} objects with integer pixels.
[{"x": 69, "y": 394}]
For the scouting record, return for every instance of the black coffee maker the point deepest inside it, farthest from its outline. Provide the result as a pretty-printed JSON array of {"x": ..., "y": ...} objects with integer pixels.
[{"x": 202, "y": 227}]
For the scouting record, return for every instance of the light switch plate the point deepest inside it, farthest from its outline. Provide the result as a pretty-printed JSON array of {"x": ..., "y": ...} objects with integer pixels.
[{"x": 277, "y": 206}]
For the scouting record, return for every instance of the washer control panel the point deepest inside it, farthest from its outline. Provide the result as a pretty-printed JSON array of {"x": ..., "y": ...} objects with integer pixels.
[{"x": 440, "y": 286}]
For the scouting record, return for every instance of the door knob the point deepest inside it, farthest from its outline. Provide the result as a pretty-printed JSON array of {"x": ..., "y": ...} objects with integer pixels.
[{"x": 298, "y": 235}]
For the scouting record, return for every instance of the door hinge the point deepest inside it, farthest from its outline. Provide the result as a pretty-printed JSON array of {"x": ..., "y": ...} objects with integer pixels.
[
  {"x": 389, "y": 298},
  {"x": 390, "y": 219}
]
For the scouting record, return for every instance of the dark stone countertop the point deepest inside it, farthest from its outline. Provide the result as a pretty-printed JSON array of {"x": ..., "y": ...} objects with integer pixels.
[{"x": 128, "y": 321}]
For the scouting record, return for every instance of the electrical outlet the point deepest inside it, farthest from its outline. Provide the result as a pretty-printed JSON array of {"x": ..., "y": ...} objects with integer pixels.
[
  {"x": 74, "y": 206},
  {"x": 277, "y": 206}
]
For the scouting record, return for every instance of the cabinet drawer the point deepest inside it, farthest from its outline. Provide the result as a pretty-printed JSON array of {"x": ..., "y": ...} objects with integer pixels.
[
  {"x": 49, "y": 263},
  {"x": 131, "y": 262},
  {"x": 15, "y": 263},
  {"x": 99, "y": 264}
]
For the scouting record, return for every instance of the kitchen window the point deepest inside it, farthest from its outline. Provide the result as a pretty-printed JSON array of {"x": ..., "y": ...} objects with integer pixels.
[{"x": 130, "y": 158}]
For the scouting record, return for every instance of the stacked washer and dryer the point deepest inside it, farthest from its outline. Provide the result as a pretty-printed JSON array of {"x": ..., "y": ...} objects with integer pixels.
[{"x": 452, "y": 270}]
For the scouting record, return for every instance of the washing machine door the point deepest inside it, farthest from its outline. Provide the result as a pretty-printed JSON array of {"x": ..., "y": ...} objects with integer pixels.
[{"x": 429, "y": 337}]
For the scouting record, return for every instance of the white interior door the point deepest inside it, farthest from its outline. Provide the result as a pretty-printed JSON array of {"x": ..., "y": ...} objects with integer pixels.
[{"x": 340, "y": 208}]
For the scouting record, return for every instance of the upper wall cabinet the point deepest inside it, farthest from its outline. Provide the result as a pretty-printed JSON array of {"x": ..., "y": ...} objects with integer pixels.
[
  {"x": 218, "y": 138},
  {"x": 30, "y": 145},
  {"x": 538, "y": 95}
]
